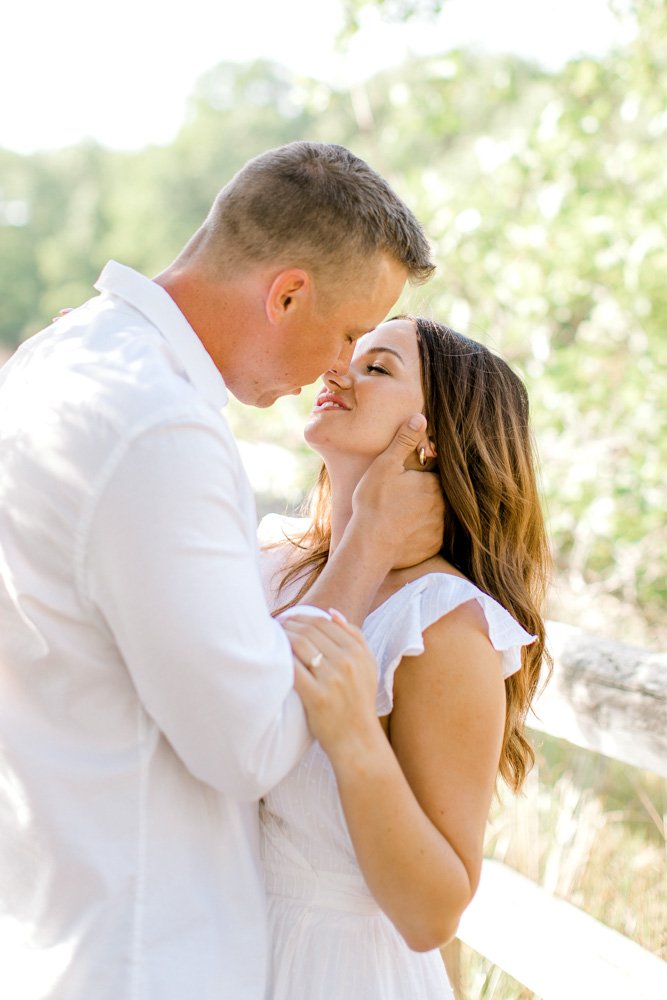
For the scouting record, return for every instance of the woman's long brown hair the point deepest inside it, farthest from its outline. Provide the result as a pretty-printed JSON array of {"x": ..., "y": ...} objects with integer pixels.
[{"x": 494, "y": 533}]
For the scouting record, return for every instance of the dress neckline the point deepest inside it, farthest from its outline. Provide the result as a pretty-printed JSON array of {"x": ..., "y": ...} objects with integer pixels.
[{"x": 420, "y": 579}]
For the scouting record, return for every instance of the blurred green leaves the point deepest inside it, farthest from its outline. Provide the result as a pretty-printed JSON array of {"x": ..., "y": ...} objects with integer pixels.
[
  {"x": 391, "y": 10},
  {"x": 545, "y": 196}
]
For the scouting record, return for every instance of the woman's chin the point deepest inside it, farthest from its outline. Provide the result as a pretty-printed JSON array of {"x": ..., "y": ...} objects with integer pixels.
[
  {"x": 316, "y": 439},
  {"x": 326, "y": 438},
  {"x": 310, "y": 432},
  {"x": 317, "y": 434}
]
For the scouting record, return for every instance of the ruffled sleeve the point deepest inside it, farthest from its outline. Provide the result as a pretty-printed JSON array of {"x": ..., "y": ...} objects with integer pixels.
[{"x": 396, "y": 628}]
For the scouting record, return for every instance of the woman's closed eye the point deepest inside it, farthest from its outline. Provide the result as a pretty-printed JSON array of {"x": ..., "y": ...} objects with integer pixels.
[{"x": 377, "y": 368}]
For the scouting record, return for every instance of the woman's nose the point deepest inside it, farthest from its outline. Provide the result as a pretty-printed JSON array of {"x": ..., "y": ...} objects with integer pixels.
[{"x": 338, "y": 376}]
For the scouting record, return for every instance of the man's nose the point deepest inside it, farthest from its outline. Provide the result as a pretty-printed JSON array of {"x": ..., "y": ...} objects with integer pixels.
[{"x": 342, "y": 365}]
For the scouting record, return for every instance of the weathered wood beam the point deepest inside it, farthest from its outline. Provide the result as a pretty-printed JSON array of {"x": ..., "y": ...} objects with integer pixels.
[{"x": 605, "y": 696}]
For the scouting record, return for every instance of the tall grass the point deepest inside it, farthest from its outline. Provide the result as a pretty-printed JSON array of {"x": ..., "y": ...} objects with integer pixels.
[{"x": 590, "y": 830}]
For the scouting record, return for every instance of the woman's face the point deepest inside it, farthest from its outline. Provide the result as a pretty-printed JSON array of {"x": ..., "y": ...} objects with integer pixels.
[{"x": 359, "y": 412}]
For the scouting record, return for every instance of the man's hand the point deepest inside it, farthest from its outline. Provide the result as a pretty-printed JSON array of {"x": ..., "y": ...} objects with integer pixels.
[
  {"x": 402, "y": 509},
  {"x": 397, "y": 521}
]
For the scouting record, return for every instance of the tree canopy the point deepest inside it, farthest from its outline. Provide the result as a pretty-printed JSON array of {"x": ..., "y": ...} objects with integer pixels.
[{"x": 545, "y": 196}]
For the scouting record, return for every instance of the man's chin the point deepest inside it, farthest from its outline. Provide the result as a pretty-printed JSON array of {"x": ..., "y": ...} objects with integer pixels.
[
  {"x": 269, "y": 398},
  {"x": 260, "y": 401},
  {"x": 265, "y": 403},
  {"x": 265, "y": 398}
]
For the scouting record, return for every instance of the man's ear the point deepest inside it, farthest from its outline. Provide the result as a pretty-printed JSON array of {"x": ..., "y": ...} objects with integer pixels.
[{"x": 288, "y": 291}]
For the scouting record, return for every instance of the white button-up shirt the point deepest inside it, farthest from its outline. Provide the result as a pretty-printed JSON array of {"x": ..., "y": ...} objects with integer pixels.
[{"x": 146, "y": 696}]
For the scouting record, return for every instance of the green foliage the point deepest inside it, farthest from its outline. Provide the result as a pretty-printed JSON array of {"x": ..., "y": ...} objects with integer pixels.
[
  {"x": 391, "y": 10},
  {"x": 545, "y": 197}
]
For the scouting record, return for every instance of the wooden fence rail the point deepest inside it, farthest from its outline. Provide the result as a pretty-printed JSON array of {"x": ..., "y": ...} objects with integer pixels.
[{"x": 610, "y": 698}]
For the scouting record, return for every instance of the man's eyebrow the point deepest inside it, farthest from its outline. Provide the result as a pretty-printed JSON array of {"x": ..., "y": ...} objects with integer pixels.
[{"x": 385, "y": 350}]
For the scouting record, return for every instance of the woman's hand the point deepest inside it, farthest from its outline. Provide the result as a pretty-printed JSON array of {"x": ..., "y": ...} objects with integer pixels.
[{"x": 336, "y": 678}]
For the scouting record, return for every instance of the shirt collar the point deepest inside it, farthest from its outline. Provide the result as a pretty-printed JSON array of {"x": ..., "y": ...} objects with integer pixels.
[{"x": 153, "y": 302}]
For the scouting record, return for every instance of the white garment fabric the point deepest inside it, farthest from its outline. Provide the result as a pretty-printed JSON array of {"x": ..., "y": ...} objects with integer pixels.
[
  {"x": 146, "y": 696},
  {"x": 329, "y": 938}
]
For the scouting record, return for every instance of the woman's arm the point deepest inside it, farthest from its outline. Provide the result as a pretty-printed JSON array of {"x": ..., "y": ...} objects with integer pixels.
[{"x": 416, "y": 809}]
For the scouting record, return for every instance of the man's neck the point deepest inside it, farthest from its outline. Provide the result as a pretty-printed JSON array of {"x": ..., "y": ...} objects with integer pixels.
[{"x": 216, "y": 311}]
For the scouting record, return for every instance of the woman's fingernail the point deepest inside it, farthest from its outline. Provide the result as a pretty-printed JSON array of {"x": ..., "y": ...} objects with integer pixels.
[{"x": 338, "y": 615}]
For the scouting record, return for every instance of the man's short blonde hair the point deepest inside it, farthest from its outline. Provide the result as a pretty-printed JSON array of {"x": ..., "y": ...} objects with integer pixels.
[{"x": 312, "y": 205}]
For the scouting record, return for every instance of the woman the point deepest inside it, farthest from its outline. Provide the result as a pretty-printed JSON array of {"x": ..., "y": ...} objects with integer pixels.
[{"x": 372, "y": 845}]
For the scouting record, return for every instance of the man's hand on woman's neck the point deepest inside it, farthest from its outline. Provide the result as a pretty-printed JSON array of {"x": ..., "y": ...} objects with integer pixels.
[{"x": 396, "y": 521}]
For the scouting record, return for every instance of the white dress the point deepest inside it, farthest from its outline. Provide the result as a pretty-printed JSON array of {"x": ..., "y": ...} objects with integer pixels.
[{"x": 329, "y": 938}]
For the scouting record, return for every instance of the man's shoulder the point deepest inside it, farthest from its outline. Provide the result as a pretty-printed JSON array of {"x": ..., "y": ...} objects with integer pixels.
[
  {"x": 101, "y": 376},
  {"x": 120, "y": 365}
]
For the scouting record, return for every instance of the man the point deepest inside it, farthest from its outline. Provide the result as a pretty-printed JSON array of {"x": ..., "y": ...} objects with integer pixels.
[{"x": 147, "y": 698}]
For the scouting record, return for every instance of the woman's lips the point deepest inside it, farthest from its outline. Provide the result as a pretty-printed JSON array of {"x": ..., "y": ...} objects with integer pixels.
[{"x": 329, "y": 401}]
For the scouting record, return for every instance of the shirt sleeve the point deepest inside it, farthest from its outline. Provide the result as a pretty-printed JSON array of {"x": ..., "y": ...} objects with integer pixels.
[{"x": 170, "y": 562}]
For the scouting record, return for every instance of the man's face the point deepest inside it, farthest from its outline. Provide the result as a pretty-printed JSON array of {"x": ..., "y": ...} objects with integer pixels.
[{"x": 321, "y": 337}]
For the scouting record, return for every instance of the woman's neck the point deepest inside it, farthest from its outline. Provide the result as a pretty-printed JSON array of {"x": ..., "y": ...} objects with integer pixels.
[{"x": 343, "y": 478}]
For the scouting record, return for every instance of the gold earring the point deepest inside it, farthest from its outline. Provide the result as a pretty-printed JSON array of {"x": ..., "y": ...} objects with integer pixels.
[{"x": 422, "y": 457}]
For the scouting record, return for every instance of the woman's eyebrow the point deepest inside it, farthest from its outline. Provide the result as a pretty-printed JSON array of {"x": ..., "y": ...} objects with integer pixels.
[{"x": 385, "y": 350}]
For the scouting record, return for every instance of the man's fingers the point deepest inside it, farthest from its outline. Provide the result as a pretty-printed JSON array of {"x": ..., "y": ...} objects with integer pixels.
[{"x": 407, "y": 438}]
